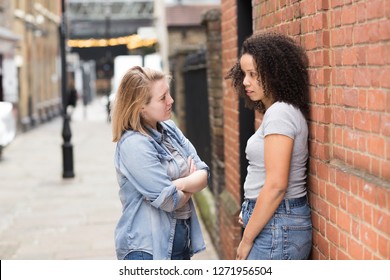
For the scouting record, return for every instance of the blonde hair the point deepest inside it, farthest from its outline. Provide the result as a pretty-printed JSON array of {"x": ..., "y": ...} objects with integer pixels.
[{"x": 133, "y": 93}]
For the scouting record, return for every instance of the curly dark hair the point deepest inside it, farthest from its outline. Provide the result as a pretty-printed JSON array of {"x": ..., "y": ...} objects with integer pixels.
[{"x": 282, "y": 67}]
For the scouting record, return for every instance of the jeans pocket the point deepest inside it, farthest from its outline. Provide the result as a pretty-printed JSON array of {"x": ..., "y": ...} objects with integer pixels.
[{"x": 297, "y": 242}]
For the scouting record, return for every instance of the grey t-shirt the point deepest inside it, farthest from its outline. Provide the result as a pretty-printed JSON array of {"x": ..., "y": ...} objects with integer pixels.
[
  {"x": 285, "y": 119},
  {"x": 185, "y": 211}
]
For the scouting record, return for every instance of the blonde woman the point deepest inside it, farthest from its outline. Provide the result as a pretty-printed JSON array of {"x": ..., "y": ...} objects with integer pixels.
[{"x": 158, "y": 170}]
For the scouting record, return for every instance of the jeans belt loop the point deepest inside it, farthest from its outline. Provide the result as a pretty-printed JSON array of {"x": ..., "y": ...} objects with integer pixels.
[
  {"x": 287, "y": 204},
  {"x": 245, "y": 205}
]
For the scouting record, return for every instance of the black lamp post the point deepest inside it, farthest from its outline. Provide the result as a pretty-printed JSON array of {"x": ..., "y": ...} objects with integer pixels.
[{"x": 67, "y": 147}]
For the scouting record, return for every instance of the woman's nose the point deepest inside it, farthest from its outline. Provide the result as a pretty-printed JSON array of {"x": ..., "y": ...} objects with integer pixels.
[
  {"x": 245, "y": 82},
  {"x": 170, "y": 100}
]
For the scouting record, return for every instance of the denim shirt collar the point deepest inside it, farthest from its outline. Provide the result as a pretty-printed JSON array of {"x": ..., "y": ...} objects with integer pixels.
[{"x": 156, "y": 134}]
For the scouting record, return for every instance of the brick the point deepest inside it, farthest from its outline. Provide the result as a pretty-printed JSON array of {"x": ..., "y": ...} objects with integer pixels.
[
  {"x": 369, "y": 193},
  {"x": 382, "y": 197},
  {"x": 322, "y": 208},
  {"x": 333, "y": 214},
  {"x": 339, "y": 153},
  {"x": 323, "y": 245},
  {"x": 367, "y": 213},
  {"x": 375, "y": 122},
  {"x": 344, "y": 221},
  {"x": 343, "y": 240},
  {"x": 356, "y": 186},
  {"x": 343, "y": 180},
  {"x": 376, "y": 145},
  {"x": 332, "y": 251},
  {"x": 363, "y": 99},
  {"x": 361, "y": 12},
  {"x": 355, "y": 229},
  {"x": 384, "y": 32},
  {"x": 361, "y": 161},
  {"x": 367, "y": 254},
  {"x": 369, "y": 237},
  {"x": 385, "y": 172},
  {"x": 332, "y": 233},
  {"x": 362, "y": 142},
  {"x": 336, "y": 3},
  {"x": 332, "y": 195},
  {"x": 376, "y": 100},
  {"x": 348, "y": 15},
  {"x": 375, "y": 166},
  {"x": 384, "y": 78},
  {"x": 381, "y": 221},
  {"x": 375, "y": 9},
  {"x": 361, "y": 121},
  {"x": 351, "y": 97},
  {"x": 349, "y": 159},
  {"x": 322, "y": 187},
  {"x": 362, "y": 77},
  {"x": 349, "y": 56},
  {"x": 355, "y": 249},
  {"x": 350, "y": 138},
  {"x": 361, "y": 34},
  {"x": 322, "y": 133},
  {"x": 384, "y": 247},
  {"x": 385, "y": 125},
  {"x": 355, "y": 207},
  {"x": 341, "y": 255},
  {"x": 375, "y": 55}
]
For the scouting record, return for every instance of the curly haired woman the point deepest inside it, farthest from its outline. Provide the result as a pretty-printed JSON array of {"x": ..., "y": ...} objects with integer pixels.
[{"x": 271, "y": 75}]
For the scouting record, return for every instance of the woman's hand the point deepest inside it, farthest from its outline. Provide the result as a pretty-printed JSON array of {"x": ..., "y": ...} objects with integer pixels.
[
  {"x": 240, "y": 221},
  {"x": 194, "y": 182},
  {"x": 186, "y": 197},
  {"x": 243, "y": 249},
  {"x": 191, "y": 164},
  {"x": 180, "y": 182}
]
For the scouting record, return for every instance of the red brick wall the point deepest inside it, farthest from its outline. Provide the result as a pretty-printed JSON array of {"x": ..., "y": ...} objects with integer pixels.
[
  {"x": 229, "y": 229},
  {"x": 348, "y": 44}
]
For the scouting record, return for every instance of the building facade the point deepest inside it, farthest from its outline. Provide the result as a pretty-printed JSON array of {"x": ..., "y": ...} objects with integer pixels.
[
  {"x": 8, "y": 43},
  {"x": 38, "y": 95}
]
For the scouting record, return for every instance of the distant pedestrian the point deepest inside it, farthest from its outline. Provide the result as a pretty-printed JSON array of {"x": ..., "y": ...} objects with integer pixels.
[
  {"x": 272, "y": 77},
  {"x": 158, "y": 170},
  {"x": 72, "y": 97}
]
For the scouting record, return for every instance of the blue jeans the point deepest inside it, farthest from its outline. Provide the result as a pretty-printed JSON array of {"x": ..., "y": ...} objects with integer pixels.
[
  {"x": 138, "y": 255},
  {"x": 181, "y": 244},
  {"x": 287, "y": 235}
]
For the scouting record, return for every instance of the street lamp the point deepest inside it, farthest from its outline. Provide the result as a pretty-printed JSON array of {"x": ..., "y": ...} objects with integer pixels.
[{"x": 67, "y": 147}]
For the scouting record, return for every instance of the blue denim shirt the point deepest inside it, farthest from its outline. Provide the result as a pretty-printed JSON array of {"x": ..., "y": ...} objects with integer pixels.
[{"x": 145, "y": 170}]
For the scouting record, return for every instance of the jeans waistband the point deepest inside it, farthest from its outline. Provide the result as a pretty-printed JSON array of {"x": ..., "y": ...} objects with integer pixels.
[{"x": 286, "y": 203}]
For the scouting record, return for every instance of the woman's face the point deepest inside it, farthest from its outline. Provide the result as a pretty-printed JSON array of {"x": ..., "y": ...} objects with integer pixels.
[
  {"x": 160, "y": 106},
  {"x": 253, "y": 88}
]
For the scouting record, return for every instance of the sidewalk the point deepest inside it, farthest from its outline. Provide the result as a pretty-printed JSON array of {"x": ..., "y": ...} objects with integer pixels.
[{"x": 44, "y": 216}]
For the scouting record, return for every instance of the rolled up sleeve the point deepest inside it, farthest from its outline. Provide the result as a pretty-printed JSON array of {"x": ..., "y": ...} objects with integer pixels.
[{"x": 139, "y": 163}]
